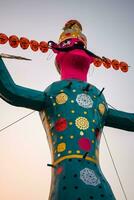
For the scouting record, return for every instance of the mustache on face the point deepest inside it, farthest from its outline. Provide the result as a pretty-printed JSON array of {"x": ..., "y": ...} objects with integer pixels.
[{"x": 80, "y": 46}]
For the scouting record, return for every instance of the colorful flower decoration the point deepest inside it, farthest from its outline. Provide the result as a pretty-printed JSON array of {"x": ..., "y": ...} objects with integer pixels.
[
  {"x": 61, "y": 147},
  {"x": 84, "y": 100},
  {"x": 61, "y": 124},
  {"x": 89, "y": 177},
  {"x": 82, "y": 123},
  {"x": 84, "y": 144},
  {"x": 61, "y": 98}
]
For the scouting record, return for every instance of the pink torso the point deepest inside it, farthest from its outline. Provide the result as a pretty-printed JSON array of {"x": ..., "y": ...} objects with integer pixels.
[{"x": 74, "y": 64}]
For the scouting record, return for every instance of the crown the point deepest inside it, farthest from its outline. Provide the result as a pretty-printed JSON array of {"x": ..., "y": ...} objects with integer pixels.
[{"x": 73, "y": 29}]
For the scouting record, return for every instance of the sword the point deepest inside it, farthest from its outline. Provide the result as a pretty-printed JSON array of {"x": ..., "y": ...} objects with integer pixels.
[{"x": 3, "y": 55}]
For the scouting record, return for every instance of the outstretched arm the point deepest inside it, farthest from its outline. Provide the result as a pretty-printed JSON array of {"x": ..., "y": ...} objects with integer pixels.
[
  {"x": 17, "y": 95},
  {"x": 119, "y": 119}
]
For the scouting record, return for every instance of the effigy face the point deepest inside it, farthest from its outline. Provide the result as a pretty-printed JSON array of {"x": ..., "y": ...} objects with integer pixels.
[{"x": 73, "y": 121}]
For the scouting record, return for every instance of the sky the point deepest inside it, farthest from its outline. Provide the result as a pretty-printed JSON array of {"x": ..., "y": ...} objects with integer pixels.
[{"x": 24, "y": 152}]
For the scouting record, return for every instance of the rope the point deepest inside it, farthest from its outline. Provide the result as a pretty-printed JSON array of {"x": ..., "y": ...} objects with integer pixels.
[
  {"x": 16, "y": 121},
  {"x": 117, "y": 173}
]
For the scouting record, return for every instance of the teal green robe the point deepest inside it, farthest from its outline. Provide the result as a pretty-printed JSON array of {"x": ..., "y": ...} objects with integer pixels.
[{"x": 73, "y": 113}]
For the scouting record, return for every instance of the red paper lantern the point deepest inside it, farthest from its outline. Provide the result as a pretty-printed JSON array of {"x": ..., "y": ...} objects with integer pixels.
[
  {"x": 123, "y": 66},
  {"x": 3, "y": 38},
  {"x": 97, "y": 62},
  {"x": 34, "y": 45},
  {"x": 107, "y": 63},
  {"x": 43, "y": 47},
  {"x": 24, "y": 43},
  {"x": 115, "y": 64},
  {"x": 13, "y": 41}
]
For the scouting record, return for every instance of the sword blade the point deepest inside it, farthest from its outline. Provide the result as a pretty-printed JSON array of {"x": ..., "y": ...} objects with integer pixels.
[{"x": 3, "y": 55}]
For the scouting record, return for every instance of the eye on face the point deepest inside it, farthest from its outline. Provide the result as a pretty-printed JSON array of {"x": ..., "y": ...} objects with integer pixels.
[{"x": 71, "y": 42}]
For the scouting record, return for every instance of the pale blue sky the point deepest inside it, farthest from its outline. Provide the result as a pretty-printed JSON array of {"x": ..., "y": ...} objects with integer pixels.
[{"x": 24, "y": 153}]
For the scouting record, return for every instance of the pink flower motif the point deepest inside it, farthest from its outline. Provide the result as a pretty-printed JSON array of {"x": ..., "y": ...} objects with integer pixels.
[{"x": 84, "y": 144}]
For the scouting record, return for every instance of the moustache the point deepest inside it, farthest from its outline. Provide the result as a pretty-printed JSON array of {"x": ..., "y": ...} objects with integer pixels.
[{"x": 56, "y": 48}]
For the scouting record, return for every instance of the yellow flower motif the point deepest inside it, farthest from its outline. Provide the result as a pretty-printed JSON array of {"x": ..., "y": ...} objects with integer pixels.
[
  {"x": 101, "y": 108},
  {"x": 69, "y": 151},
  {"x": 61, "y": 147},
  {"x": 61, "y": 98},
  {"x": 82, "y": 123}
]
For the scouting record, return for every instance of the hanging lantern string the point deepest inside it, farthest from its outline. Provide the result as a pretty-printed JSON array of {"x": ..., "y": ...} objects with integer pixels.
[
  {"x": 107, "y": 63},
  {"x": 24, "y": 43}
]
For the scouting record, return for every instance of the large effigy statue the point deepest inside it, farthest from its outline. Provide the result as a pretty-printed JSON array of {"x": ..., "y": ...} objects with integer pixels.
[{"x": 73, "y": 113}]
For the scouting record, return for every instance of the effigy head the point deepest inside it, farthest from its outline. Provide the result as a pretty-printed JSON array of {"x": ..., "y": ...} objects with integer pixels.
[
  {"x": 72, "y": 31},
  {"x": 70, "y": 39}
]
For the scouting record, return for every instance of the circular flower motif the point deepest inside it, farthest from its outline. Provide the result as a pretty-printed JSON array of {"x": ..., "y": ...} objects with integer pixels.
[
  {"x": 84, "y": 144},
  {"x": 61, "y": 124},
  {"x": 61, "y": 147},
  {"x": 101, "y": 108},
  {"x": 61, "y": 98},
  {"x": 82, "y": 123},
  {"x": 89, "y": 177},
  {"x": 84, "y": 100}
]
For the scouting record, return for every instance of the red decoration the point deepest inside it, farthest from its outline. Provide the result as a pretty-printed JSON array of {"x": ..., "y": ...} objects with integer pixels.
[
  {"x": 123, "y": 66},
  {"x": 43, "y": 46},
  {"x": 61, "y": 124},
  {"x": 115, "y": 64},
  {"x": 24, "y": 43},
  {"x": 84, "y": 144},
  {"x": 59, "y": 170},
  {"x": 34, "y": 45},
  {"x": 13, "y": 41},
  {"x": 68, "y": 34},
  {"x": 3, "y": 38},
  {"x": 97, "y": 62},
  {"x": 107, "y": 63}
]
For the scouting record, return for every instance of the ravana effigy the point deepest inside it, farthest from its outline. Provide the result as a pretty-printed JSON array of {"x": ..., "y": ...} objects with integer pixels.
[{"x": 73, "y": 113}]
